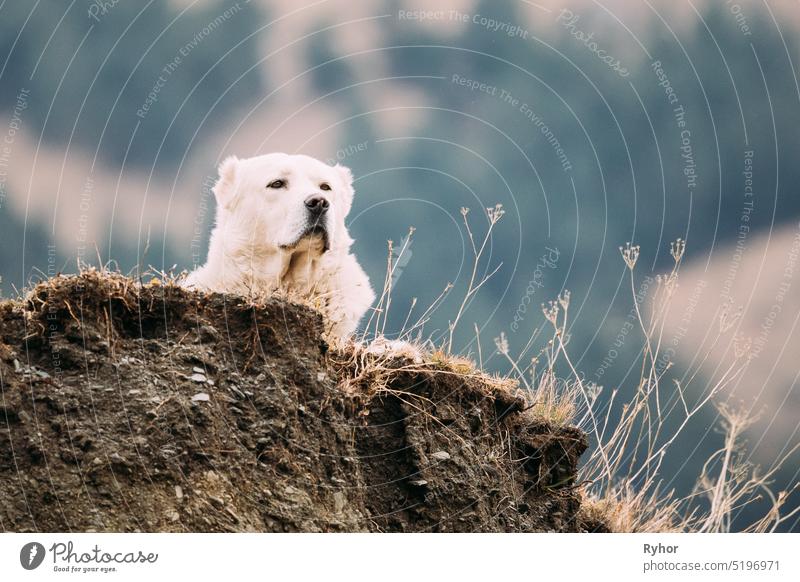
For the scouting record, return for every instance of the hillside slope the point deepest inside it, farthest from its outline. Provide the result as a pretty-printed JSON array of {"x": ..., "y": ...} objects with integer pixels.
[{"x": 155, "y": 409}]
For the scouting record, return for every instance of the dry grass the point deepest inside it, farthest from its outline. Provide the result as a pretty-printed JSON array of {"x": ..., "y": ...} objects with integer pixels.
[
  {"x": 633, "y": 435},
  {"x": 625, "y": 467}
]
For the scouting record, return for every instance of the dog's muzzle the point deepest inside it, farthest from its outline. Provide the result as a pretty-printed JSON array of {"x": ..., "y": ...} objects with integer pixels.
[
  {"x": 316, "y": 223},
  {"x": 317, "y": 206}
]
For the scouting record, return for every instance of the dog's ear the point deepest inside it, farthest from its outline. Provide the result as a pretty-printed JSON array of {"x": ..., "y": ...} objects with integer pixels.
[
  {"x": 345, "y": 173},
  {"x": 347, "y": 177},
  {"x": 225, "y": 188}
]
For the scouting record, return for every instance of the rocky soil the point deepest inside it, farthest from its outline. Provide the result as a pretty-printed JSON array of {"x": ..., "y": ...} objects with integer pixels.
[{"x": 150, "y": 408}]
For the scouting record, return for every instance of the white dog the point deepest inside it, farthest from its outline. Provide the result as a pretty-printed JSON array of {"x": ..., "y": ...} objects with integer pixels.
[{"x": 280, "y": 226}]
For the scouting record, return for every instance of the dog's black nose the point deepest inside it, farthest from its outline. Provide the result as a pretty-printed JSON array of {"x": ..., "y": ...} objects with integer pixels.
[{"x": 317, "y": 205}]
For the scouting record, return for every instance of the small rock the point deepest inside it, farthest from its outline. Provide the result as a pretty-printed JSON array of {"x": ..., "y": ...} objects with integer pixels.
[
  {"x": 210, "y": 382},
  {"x": 198, "y": 370},
  {"x": 17, "y": 366},
  {"x": 216, "y": 501},
  {"x": 133, "y": 392},
  {"x": 229, "y": 510},
  {"x": 179, "y": 492},
  {"x": 419, "y": 482},
  {"x": 197, "y": 377},
  {"x": 441, "y": 455},
  {"x": 291, "y": 490},
  {"x": 201, "y": 397},
  {"x": 172, "y": 515},
  {"x": 321, "y": 376},
  {"x": 208, "y": 333},
  {"x": 42, "y": 374},
  {"x": 338, "y": 501}
]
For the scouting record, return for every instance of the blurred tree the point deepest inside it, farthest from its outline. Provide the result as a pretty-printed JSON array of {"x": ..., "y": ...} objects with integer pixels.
[{"x": 92, "y": 71}]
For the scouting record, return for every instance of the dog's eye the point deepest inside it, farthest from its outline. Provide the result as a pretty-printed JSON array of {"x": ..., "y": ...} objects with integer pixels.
[
  {"x": 277, "y": 184},
  {"x": 325, "y": 186}
]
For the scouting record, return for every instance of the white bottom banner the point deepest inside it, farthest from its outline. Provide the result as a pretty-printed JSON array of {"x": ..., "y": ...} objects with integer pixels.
[{"x": 352, "y": 557}]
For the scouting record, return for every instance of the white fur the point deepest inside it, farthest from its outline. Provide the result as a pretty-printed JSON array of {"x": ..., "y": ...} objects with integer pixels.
[{"x": 257, "y": 246}]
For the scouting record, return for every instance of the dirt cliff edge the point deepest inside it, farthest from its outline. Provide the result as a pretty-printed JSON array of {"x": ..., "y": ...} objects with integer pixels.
[{"x": 129, "y": 408}]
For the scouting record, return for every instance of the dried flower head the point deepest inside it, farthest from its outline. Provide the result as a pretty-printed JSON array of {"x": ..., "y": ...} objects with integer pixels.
[
  {"x": 551, "y": 312},
  {"x": 630, "y": 254},
  {"x": 563, "y": 299},
  {"x": 677, "y": 248},
  {"x": 502, "y": 343},
  {"x": 593, "y": 390},
  {"x": 495, "y": 213}
]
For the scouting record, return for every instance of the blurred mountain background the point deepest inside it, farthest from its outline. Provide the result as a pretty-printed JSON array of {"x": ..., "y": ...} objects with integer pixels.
[{"x": 593, "y": 124}]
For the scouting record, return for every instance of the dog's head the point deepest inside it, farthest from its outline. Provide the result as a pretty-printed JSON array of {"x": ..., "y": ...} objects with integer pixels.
[{"x": 284, "y": 201}]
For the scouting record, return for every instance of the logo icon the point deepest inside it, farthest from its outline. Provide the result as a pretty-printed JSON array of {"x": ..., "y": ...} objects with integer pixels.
[{"x": 31, "y": 555}]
